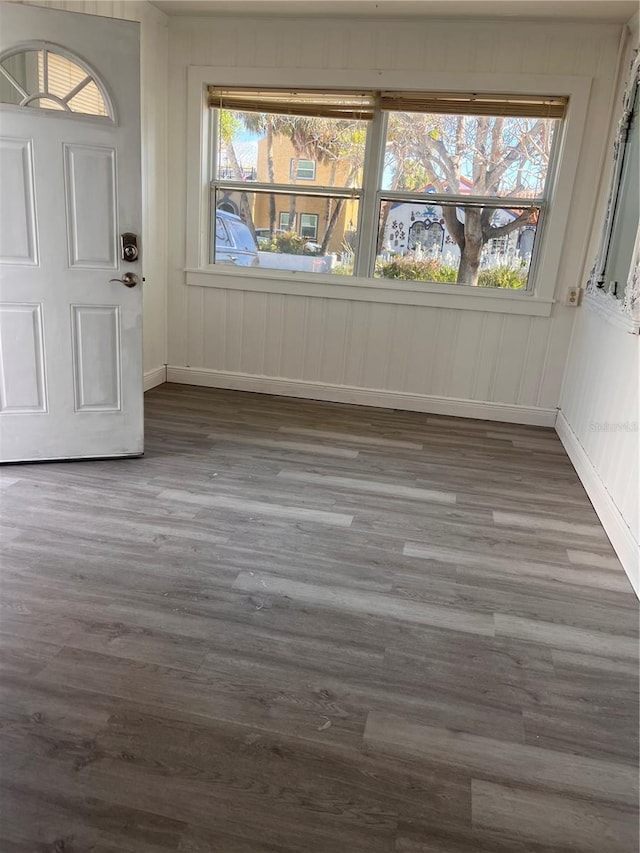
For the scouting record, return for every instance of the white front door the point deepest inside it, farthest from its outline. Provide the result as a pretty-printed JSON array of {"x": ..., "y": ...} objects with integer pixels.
[{"x": 70, "y": 330}]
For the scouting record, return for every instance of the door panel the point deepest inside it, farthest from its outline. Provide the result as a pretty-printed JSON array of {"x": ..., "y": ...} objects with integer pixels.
[
  {"x": 71, "y": 373},
  {"x": 96, "y": 357},
  {"x": 22, "y": 373},
  {"x": 18, "y": 241},
  {"x": 90, "y": 188}
]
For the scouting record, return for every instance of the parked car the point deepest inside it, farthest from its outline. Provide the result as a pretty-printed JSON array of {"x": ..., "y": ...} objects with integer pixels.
[
  {"x": 234, "y": 243},
  {"x": 265, "y": 233}
]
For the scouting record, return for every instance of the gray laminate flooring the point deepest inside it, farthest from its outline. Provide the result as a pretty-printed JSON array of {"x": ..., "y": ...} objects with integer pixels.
[{"x": 298, "y": 627}]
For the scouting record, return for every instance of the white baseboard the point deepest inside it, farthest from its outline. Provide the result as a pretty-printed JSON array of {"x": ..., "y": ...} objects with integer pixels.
[
  {"x": 363, "y": 396},
  {"x": 157, "y": 376},
  {"x": 616, "y": 528}
]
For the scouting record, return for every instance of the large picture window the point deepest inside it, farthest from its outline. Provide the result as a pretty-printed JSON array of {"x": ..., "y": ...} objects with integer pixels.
[{"x": 444, "y": 188}]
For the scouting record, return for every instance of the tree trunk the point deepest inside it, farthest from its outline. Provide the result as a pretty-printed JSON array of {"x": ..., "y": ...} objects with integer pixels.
[
  {"x": 328, "y": 234},
  {"x": 293, "y": 198},
  {"x": 245, "y": 208},
  {"x": 385, "y": 208},
  {"x": 232, "y": 158},
  {"x": 272, "y": 177},
  {"x": 469, "y": 265},
  {"x": 247, "y": 216},
  {"x": 327, "y": 207},
  {"x": 471, "y": 250},
  {"x": 292, "y": 214}
]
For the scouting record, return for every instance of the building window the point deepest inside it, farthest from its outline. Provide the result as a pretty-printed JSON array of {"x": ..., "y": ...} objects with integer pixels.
[
  {"x": 283, "y": 221},
  {"x": 309, "y": 226},
  {"x": 303, "y": 170},
  {"x": 457, "y": 194}
]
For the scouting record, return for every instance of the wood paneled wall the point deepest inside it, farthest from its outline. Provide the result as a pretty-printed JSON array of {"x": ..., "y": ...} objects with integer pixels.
[
  {"x": 600, "y": 399},
  {"x": 430, "y": 352},
  {"x": 600, "y": 402},
  {"x": 398, "y": 348}
]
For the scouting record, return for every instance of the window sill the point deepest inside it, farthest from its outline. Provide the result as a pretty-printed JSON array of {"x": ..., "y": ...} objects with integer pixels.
[{"x": 454, "y": 296}]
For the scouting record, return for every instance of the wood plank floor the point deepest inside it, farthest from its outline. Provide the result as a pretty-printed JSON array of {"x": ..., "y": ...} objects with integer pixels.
[{"x": 298, "y": 627}]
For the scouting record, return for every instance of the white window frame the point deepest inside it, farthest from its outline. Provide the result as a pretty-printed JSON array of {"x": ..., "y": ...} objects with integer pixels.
[{"x": 536, "y": 302}]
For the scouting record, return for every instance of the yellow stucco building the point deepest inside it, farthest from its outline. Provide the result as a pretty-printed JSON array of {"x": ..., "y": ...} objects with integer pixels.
[{"x": 312, "y": 214}]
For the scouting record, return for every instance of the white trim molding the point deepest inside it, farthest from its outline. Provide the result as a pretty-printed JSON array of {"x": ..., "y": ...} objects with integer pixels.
[
  {"x": 379, "y": 398},
  {"x": 616, "y": 528},
  {"x": 157, "y": 376}
]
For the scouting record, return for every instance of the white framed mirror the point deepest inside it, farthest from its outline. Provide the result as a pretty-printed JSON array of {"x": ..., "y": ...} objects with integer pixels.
[{"x": 613, "y": 288}]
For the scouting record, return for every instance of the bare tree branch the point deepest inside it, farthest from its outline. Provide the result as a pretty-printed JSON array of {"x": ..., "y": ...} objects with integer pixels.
[{"x": 527, "y": 217}]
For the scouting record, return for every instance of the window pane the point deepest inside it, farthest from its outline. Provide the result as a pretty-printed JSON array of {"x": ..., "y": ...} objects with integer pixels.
[
  {"x": 89, "y": 101},
  {"x": 54, "y": 77},
  {"x": 277, "y": 149},
  {"x": 309, "y": 225},
  {"x": 23, "y": 68},
  {"x": 417, "y": 242},
  {"x": 322, "y": 238},
  {"x": 303, "y": 169},
  {"x": 63, "y": 75},
  {"x": 467, "y": 155}
]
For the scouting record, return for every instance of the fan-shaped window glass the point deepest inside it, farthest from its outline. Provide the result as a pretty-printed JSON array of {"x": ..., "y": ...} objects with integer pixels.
[{"x": 45, "y": 78}]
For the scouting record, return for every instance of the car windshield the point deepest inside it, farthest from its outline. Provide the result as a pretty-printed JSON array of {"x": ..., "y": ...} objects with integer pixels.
[
  {"x": 222, "y": 238},
  {"x": 242, "y": 236}
]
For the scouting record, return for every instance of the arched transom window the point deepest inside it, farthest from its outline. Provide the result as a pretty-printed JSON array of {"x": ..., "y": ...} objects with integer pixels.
[{"x": 45, "y": 76}]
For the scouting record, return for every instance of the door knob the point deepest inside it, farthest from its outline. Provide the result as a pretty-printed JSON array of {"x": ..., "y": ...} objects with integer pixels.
[{"x": 129, "y": 279}]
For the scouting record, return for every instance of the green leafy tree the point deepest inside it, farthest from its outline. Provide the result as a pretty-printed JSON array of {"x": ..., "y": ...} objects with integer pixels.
[{"x": 327, "y": 142}]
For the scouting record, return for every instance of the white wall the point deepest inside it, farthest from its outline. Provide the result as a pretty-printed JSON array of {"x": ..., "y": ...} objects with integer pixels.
[
  {"x": 600, "y": 405},
  {"x": 510, "y": 366},
  {"x": 153, "y": 71}
]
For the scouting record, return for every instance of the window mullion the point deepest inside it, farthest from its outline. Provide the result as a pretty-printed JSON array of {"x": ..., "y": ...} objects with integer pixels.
[
  {"x": 461, "y": 200},
  {"x": 321, "y": 191},
  {"x": 372, "y": 179}
]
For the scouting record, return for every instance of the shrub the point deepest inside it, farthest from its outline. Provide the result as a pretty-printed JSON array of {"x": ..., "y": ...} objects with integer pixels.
[
  {"x": 343, "y": 269},
  {"x": 288, "y": 243},
  {"x": 503, "y": 276},
  {"x": 408, "y": 268}
]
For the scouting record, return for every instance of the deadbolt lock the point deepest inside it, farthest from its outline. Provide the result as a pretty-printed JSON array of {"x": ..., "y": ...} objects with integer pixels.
[{"x": 129, "y": 246}]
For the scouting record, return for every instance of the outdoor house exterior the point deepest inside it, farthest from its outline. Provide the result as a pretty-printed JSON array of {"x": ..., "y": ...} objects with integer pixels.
[{"x": 419, "y": 229}]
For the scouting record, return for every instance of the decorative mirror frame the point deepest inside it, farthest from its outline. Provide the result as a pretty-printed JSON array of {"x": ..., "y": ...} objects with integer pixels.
[{"x": 623, "y": 312}]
